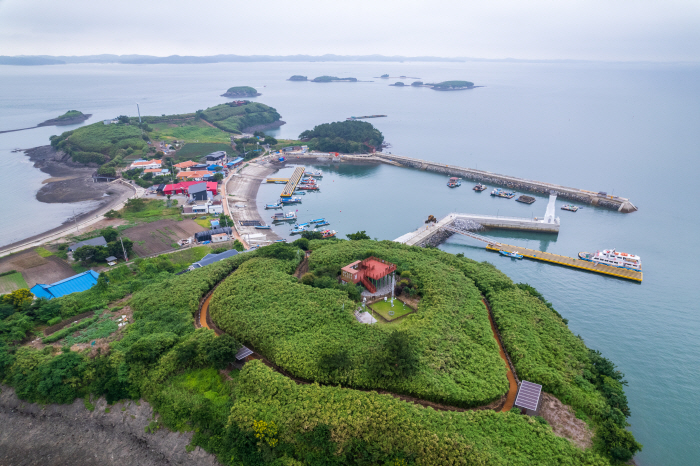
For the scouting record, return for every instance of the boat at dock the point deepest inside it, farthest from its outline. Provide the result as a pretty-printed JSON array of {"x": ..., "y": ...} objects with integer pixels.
[
  {"x": 308, "y": 187},
  {"x": 498, "y": 192},
  {"x": 613, "y": 258},
  {"x": 323, "y": 224},
  {"x": 454, "y": 182},
  {"x": 315, "y": 173},
  {"x": 328, "y": 234},
  {"x": 262, "y": 227},
  {"x": 273, "y": 206},
  {"x": 282, "y": 217},
  {"x": 318, "y": 220},
  {"x": 513, "y": 255},
  {"x": 526, "y": 199},
  {"x": 298, "y": 230},
  {"x": 291, "y": 200},
  {"x": 479, "y": 187},
  {"x": 569, "y": 207}
]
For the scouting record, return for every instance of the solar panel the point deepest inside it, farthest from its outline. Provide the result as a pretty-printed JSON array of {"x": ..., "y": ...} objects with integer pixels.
[
  {"x": 528, "y": 395},
  {"x": 250, "y": 223},
  {"x": 243, "y": 353}
]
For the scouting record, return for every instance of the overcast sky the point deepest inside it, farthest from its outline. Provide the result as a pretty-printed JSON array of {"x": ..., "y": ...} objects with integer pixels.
[{"x": 660, "y": 30}]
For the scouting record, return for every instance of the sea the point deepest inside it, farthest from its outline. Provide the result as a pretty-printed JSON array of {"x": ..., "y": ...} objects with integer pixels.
[{"x": 629, "y": 129}]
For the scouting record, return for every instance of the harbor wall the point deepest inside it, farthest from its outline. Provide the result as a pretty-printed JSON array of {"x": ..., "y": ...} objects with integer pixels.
[
  {"x": 578, "y": 195},
  {"x": 511, "y": 223}
]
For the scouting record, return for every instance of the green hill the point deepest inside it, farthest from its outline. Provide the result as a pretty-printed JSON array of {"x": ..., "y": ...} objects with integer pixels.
[
  {"x": 241, "y": 91},
  {"x": 453, "y": 85},
  {"x": 349, "y": 136}
]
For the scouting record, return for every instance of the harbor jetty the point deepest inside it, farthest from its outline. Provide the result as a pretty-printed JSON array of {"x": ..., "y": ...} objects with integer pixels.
[{"x": 599, "y": 199}]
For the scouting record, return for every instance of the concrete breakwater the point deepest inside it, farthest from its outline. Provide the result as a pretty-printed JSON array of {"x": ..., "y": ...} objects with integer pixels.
[{"x": 620, "y": 204}]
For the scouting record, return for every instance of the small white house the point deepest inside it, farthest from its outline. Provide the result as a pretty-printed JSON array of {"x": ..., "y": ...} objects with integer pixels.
[
  {"x": 216, "y": 209},
  {"x": 200, "y": 209},
  {"x": 219, "y": 238}
]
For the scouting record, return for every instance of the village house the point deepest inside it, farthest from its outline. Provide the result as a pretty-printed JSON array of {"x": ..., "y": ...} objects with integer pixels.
[
  {"x": 185, "y": 165},
  {"x": 194, "y": 175},
  {"x": 146, "y": 164}
]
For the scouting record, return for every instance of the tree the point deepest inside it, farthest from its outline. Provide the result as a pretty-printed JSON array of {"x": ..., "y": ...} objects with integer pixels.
[
  {"x": 115, "y": 247},
  {"x": 18, "y": 297},
  {"x": 312, "y": 235},
  {"x": 397, "y": 357},
  {"x": 302, "y": 243},
  {"x": 135, "y": 204},
  {"x": 222, "y": 350},
  {"x": 87, "y": 254},
  {"x": 109, "y": 234},
  {"x": 218, "y": 177},
  {"x": 358, "y": 236},
  {"x": 123, "y": 119},
  {"x": 238, "y": 246}
]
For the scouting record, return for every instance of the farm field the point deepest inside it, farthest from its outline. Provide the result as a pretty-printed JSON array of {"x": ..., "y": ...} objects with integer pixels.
[
  {"x": 36, "y": 269},
  {"x": 195, "y": 151},
  {"x": 160, "y": 236},
  {"x": 11, "y": 282},
  {"x": 191, "y": 131}
]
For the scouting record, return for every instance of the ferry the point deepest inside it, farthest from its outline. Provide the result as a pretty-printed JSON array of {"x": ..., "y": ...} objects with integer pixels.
[
  {"x": 514, "y": 255},
  {"x": 273, "y": 206},
  {"x": 613, "y": 258},
  {"x": 282, "y": 217},
  {"x": 328, "y": 234},
  {"x": 498, "y": 192},
  {"x": 454, "y": 182},
  {"x": 569, "y": 207},
  {"x": 479, "y": 187},
  {"x": 291, "y": 200}
]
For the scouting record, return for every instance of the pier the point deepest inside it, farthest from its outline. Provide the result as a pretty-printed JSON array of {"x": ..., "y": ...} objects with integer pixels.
[
  {"x": 599, "y": 199},
  {"x": 292, "y": 183}
]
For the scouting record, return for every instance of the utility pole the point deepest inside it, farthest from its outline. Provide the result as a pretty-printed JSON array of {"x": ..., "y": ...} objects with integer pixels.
[
  {"x": 126, "y": 259},
  {"x": 139, "y": 112},
  {"x": 75, "y": 220}
]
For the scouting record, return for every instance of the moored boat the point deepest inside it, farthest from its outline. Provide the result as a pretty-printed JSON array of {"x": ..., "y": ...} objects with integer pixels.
[
  {"x": 498, "y": 192},
  {"x": 282, "y": 217},
  {"x": 262, "y": 227},
  {"x": 291, "y": 200},
  {"x": 526, "y": 199},
  {"x": 513, "y": 255},
  {"x": 323, "y": 224},
  {"x": 308, "y": 187},
  {"x": 318, "y": 220},
  {"x": 297, "y": 230},
  {"x": 479, "y": 187},
  {"x": 613, "y": 258},
  {"x": 569, "y": 207},
  {"x": 315, "y": 173},
  {"x": 328, "y": 234},
  {"x": 273, "y": 206},
  {"x": 454, "y": 182}
]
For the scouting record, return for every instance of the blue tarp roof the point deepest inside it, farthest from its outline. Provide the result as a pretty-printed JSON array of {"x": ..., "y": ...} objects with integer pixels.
[
  {"x": 235, "y": 161},
  {"x": 211, "y": 258},
  {"x": 214, "y": 167},
  {"x": 76, "y": 283}
]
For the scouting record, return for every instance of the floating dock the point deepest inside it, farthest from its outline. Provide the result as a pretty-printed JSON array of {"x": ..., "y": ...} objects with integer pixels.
[
  {"x": 567, "y": 261},
  {"x": 292, "y": 183}
]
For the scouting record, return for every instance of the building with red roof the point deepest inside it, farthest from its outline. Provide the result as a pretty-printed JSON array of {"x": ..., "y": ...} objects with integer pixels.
[
  {"x": 373, "y": 273},
  {"x": 181, "y": 187}
]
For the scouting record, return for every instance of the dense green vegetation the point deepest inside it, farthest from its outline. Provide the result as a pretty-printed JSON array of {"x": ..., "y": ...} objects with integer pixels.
[
  {"x": 241, "y": 91},
  {"x": 234, "y": 118},
  {"x": 257, "y": 417},
  {"x": 298, "y": 77},
  {"x": 189, "y": 131},
  {"x": 70, "y": 114},
  {"x": 330, "y": 79},
  {"x": 195, "y": 151},
  {"x": 350, "y": 136},
  {"x": 452, "y": 85},
  {"x": 98, "y": 143}
]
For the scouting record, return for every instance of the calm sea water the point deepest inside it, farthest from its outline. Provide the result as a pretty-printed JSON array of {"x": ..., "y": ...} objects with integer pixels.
[{"x": 627, "y": 129}]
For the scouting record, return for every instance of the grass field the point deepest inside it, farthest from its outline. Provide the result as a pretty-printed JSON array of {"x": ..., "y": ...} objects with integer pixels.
[
  {"x": 12, "y": 282},
  {"x": 383, "y": 308},
  {"x": 155, "y": 209},
  {"x": 43, "y": 252},
  {"x": 189, "y": 131},
  {"x": 195, "y": 151}
]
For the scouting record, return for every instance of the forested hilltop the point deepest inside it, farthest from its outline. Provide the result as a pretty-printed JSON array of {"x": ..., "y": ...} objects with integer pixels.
[
  {"x": 241, "y": 91},
  {"x": 350, "y": 136},
  {"x": 257, "y": 416}
]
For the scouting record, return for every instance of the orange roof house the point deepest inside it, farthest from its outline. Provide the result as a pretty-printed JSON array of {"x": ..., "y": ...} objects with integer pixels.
[
  {"x": 193, "y": 174},
  {"x": 185, "y": 165},
  {"x": 147, "y": 164},
  {"x": 372, "y": 272}
]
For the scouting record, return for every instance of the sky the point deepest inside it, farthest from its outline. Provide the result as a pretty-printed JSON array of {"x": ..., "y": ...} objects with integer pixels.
[{"x": 607, "y": 30}]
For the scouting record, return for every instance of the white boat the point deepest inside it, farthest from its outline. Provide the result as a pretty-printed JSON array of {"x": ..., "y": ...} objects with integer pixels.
[
  {"x": 315, "y": 173},
  {"x": 613, "y": 259},
  {"x": 273, "y": 206},
  {"x": 281, "y": 217}
]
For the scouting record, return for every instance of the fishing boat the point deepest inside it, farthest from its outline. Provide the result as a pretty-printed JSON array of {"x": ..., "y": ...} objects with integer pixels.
[
  {"x": 323, "y": 224},
  {"x": 454, "y": 182},
  {"x": 525, "y": 199},
  {"x": 513, "y": 255},
  {"x": 262, "y": 227},
  {"x": 273, "y": 206},
  {"x": 318, "y": 220},
  {"x": 302, "y": 225},
  {"x": 282, "y": 217},
  {"x": 328, "y": 234},
  {"x": 479, "y": 187},
  {"x": 498, "y": 192},
  {"x": 280, "y": 182},
  {"x": 315, "y": 173},
  {"x": 569, "y": 207},
  {"x": 291, "y": 200},
  {"x": 308, "y": 180},
  {"x": 308, "y": 187},
  {"x": 297, "y": 230},
  {"x": 300, "y": 193},
  {"x": 281, "y": 241},
  {"x": 613, "y": 259}
]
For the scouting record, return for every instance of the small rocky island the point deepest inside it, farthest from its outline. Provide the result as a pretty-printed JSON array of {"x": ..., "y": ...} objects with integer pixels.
[
  {"x": 71, "y": 117},
  {"x": 298, "y": 77},
  {"x": 241, "y": 91},
  {"x": 333, "y": 79},
  {"x": 398, "y": 84},
  {"x": 452, "y": 85}
]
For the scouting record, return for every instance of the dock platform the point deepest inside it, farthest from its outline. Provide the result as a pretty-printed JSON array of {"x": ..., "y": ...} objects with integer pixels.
[
  {"x": 567, "y": 261},
  {"x": 275, "y": 180},
  {"x": 293, "y": 182}
]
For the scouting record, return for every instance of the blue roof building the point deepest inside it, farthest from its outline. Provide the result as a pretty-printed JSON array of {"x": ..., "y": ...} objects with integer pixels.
[
  {"x": 211, "y": 258},
  {"x": 76, "y": 283},
  {"x": 213, "y": 167}
]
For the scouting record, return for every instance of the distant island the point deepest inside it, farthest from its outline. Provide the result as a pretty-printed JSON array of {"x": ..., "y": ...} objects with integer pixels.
[
  {"x": 417, "y": 83},
  {"x": 71, "y": 117},
  {"x": 241, "y": 91},
  {"x": 333, "y": 79},
  {"x": 298, "y": 77},
  {"x": 348, "y": 137},
  {"x": 452, "y": 85},
  {"x": 398, "y": 84}
]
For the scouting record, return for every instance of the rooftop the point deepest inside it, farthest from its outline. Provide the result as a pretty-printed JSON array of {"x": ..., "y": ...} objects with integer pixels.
[
  {"x": 98, "y": 241},
  {"x": 76, "y": 283},
  {"x": 211, "y": 258}
]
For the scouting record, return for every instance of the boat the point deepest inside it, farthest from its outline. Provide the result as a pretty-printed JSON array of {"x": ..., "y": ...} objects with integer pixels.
[
  {"x": 498, "y": 192},
  {"x": 514, "y": 255},
  {"x": 318, "y": 220},
  {"x": 323, "y": 224},
  {"x": 302, "y": 225},
  {"x": 328, "y": 234},
  {"x": 315, "y": 173},
  {"x": 479, "y": 187},
  {"x": 281, "y": 241},
  {"x": 262, "y": 227},
  {"x": 526, "y": 199},
  {"x": 291, "y": 200},
  {"x": 308, "y": 187},
  {"x": 569, "y": 207},
  {"x": 297, "y": 230},
  {"x": 613, "y": 258},
  {"x": 273, "y": 206},
  {"x": 282, "y": 217},
  {"x": 365, "y": 116},
  {"x": 300, "y": 193},
  {"x": 454, "y": 182},
  {"x": 280, "y": 182}
]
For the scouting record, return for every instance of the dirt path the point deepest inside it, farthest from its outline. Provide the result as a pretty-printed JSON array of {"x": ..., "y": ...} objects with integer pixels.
[{"x": 513, "y": 389}]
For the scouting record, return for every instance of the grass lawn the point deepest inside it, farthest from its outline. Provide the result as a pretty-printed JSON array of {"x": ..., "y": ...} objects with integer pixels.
[
  {"x": 383, "y": 308},
  {"x": 43, "y": 252},
  {"x": 189, "y": 131},
  {"x": 153, "y": 210},
  {"x": 12, "y": 282},
  {"x": 195, "y": 151}
]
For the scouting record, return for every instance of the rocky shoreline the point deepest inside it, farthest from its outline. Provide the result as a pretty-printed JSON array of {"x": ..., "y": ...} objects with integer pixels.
[{"x": 56, "y": 435}]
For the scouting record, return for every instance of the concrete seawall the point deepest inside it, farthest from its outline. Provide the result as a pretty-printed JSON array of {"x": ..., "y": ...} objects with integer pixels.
[{"x": 579, "y": 195}]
